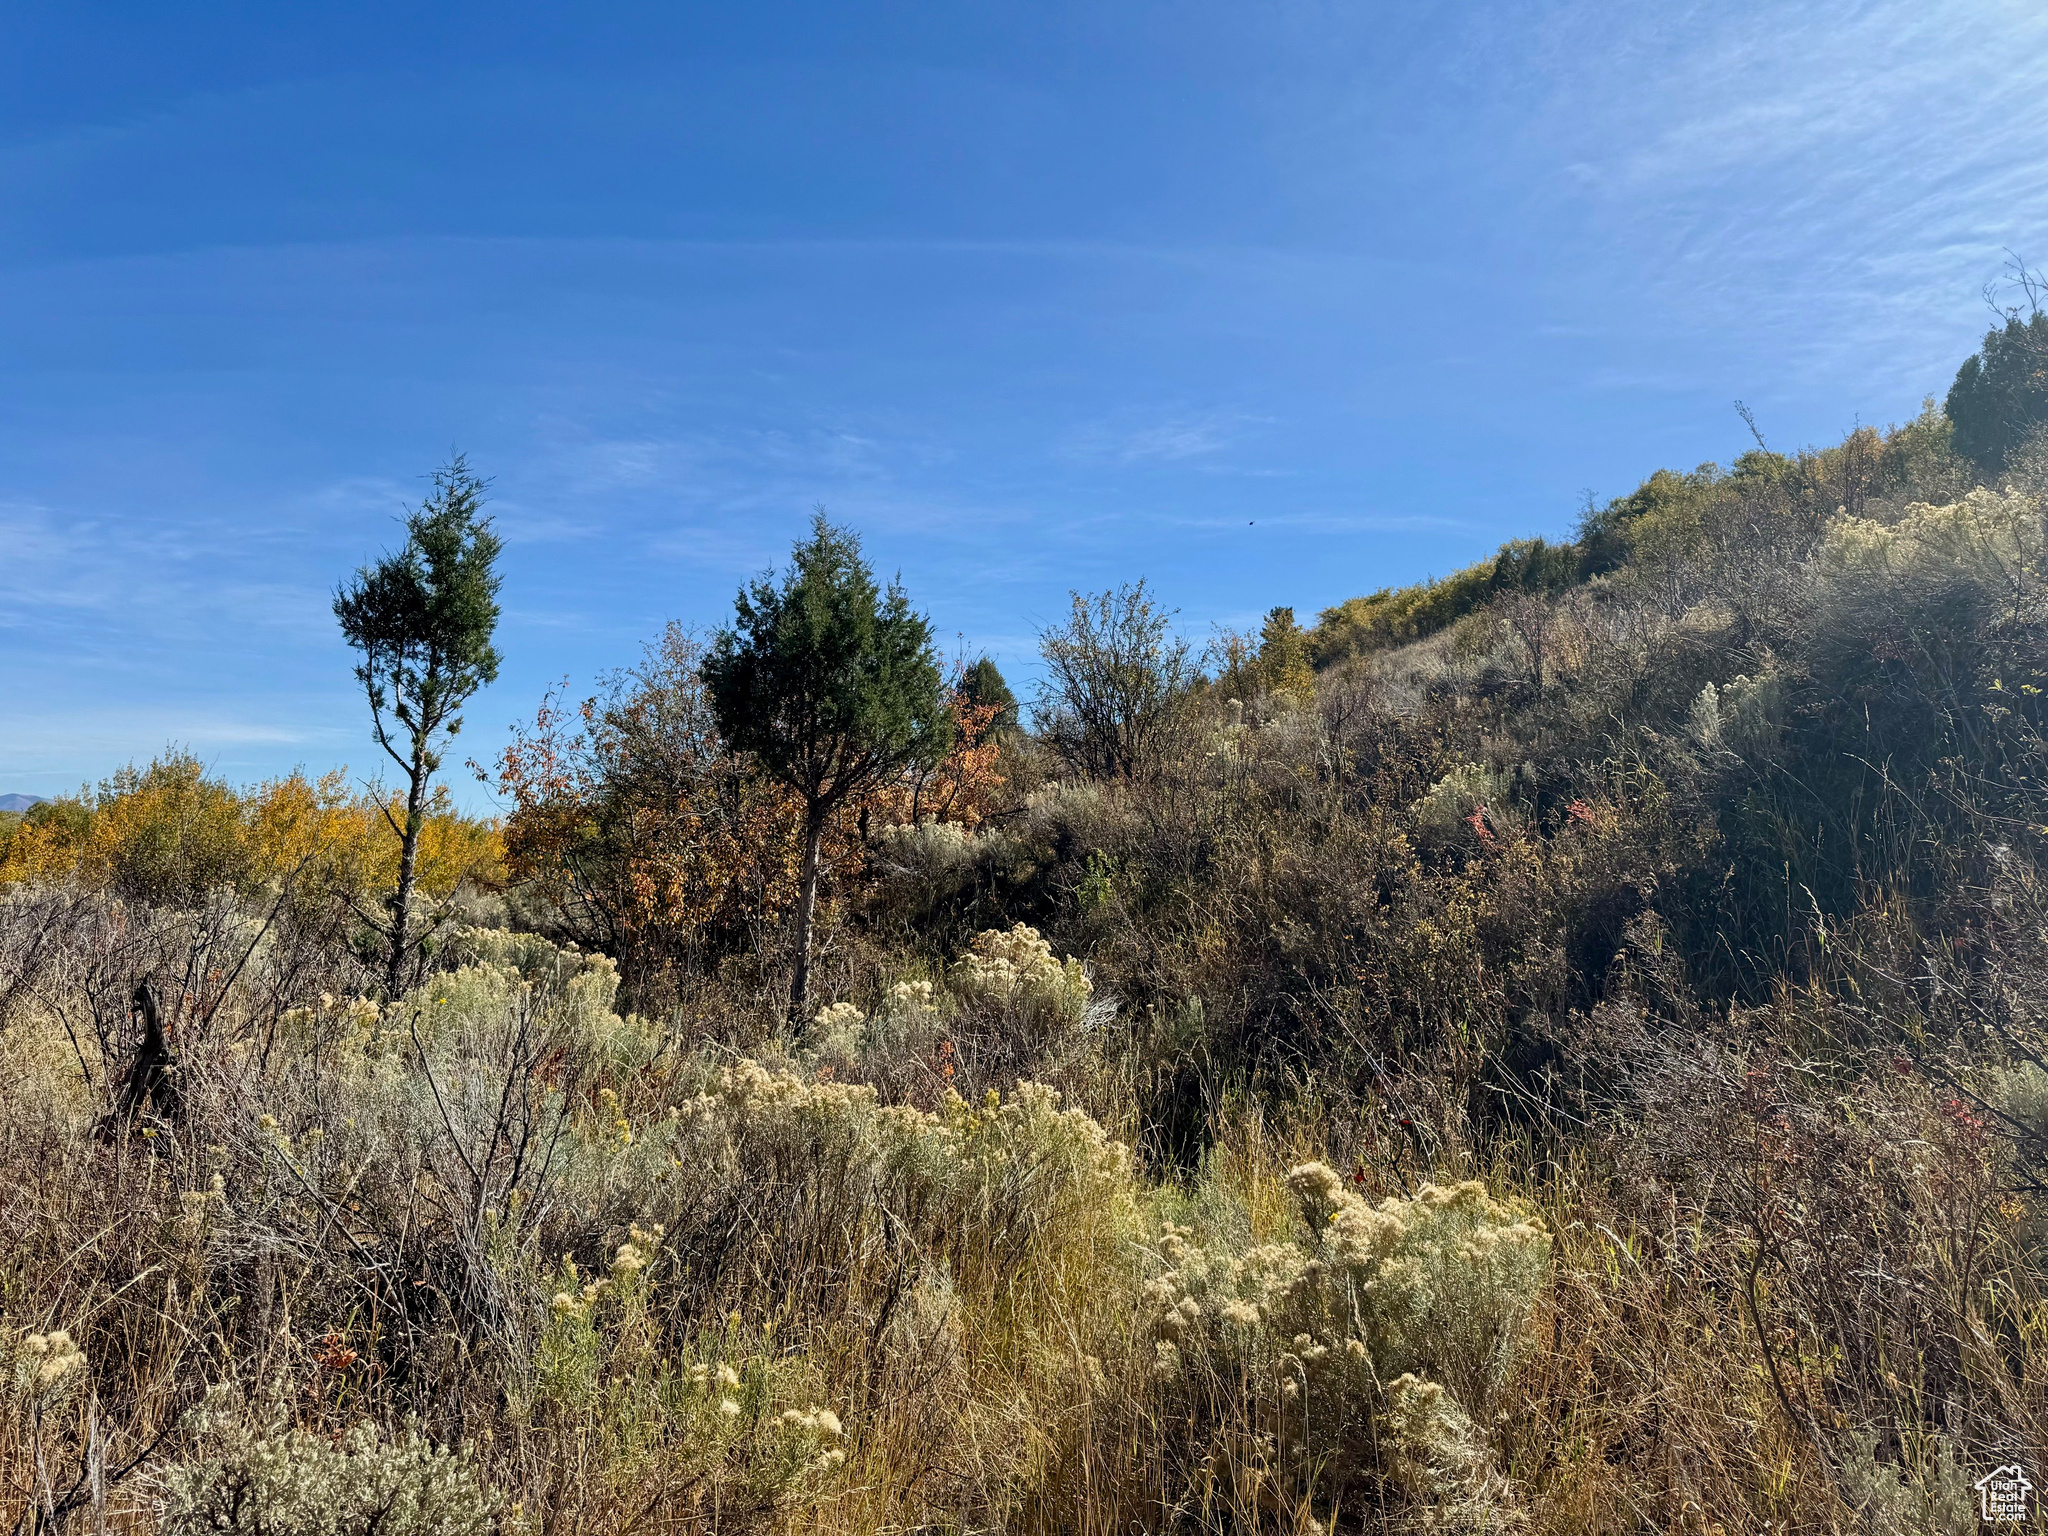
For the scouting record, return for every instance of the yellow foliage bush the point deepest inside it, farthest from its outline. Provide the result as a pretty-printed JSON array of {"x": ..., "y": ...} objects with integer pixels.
[
  {"x": 170, "y": 834},
  {"x": 1994, "y": 537}
]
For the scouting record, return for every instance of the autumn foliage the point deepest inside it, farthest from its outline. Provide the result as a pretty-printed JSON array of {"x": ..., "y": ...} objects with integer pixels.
[
  {"x": 640, "y": 832},
  {"x": 171, "y": 833}
]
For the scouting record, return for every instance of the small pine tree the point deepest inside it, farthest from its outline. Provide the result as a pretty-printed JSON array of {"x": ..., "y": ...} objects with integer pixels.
[
  {"x": 833, "y": 685},
  {"x": 982, "y": 685},
  {"x": 423, "y": 620}
]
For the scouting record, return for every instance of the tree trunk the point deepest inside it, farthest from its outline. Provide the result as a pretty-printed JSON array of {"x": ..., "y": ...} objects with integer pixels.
[
  {"x": 408, "y": 861},
  {"x": 806, "y": 904}
]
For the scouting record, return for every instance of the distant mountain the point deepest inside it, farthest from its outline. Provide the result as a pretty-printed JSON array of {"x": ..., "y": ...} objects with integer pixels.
[{"x": 20, "y": 802}]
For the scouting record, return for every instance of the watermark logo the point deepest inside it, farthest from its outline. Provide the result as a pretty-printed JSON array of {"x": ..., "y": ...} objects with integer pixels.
[{"x": 2002, "y": 1494}]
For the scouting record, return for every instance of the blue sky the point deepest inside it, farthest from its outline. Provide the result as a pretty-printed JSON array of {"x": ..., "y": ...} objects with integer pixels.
[{"x": 1270, "y": 303}]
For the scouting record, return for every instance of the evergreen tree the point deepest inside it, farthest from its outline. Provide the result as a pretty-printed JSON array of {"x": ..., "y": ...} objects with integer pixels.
[
  {"x": 2001, "y": 394},
  {"x": 423, "y": 620},
  {"x": 833, "y": 685},
  {"x": 983, "y": 686}
]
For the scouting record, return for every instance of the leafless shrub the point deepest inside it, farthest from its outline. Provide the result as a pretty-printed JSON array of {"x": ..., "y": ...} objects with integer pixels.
[{"x": 1116, "y": 687}]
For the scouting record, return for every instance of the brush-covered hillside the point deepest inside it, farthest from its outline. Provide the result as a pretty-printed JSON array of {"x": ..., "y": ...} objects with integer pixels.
[{"x": 1560, "y": 1049}]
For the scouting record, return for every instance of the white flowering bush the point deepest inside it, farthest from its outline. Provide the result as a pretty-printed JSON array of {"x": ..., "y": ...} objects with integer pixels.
[
  {"x": 1438, "y": 1454},
  {"x": 1993, "y": 537},
  {"x": 1008, "y": 1006},
  {"x": 839, "y": 1019},
  {"x": 910, "y": 1011},
  {"x": 1401, "y": 1318},
  {"x": 767, "y": 1178},
  {"x": 1979, "y": 561},
  {"x": 931, "y": 849},
  {"x": 1458, "y": 793},
  {"x": 1741, "y": 716},
  {"x": 271, "y": 1479},
  {"x": 508, "y": 974},
  {"x": 455, "y": 1079},
  {"x": 1008, "y": 1169},
  {"x": 909, "y": 1018},
  {"x": 471, "y": 1030},
  {"x": 1017, "y": 969},
  {"x": 40, "y": 1370}
]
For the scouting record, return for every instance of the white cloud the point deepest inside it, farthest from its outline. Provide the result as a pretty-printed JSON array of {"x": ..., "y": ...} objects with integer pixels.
[
  {"x": 1130, "y": 438},
  {"x": 50, "y": 742},
  {"x": 1809, "y": 176}
]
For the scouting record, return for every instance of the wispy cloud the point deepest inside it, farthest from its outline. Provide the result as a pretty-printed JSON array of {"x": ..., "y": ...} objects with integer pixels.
[
  {"x": 104, "y": 581},
  {"x": 44, "y": 749},
  {"x": 1814, "y": 173},
  {"x": 1132, "y": 438}
]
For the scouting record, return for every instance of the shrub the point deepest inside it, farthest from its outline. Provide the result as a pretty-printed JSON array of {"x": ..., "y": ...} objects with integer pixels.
[
  {"x": 1008, "y": 1006},
  {"x": 271, "y": 1479},
  {"x": 1930, "y": 1497},
  {"x": 722, "y": 1409},
  {"x": 1405, "y": 1316},
  {"x": 1117, "y": 684},
  {"x": 1004, "y": 1176},
  {"x": 1991, "y": 539},
  {"x": 40, "y": 1370},
  {"x": 1461, "y": 794},
  {"x": 929, "y": 849},
  {"x": 1017, "y": 969}
]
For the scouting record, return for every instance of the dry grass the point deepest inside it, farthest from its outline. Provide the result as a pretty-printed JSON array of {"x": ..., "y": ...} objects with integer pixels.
[{"x": 410, "y": 1204}]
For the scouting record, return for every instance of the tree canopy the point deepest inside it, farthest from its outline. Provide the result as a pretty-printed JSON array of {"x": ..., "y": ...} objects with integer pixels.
[
  {"x": 2001, "y": 392},
  {"x": 1115, "y": 678},
  {"x": 423, "y": 618}
]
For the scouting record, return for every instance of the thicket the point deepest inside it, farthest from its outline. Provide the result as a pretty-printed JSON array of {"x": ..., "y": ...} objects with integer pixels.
[{"x": 1558, "y": 1051}]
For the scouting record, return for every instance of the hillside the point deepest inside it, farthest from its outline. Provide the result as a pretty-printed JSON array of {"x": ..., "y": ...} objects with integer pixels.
[
  {"x": 1668, "y": 511},
  {"x": 1558, "y": 1048}
]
